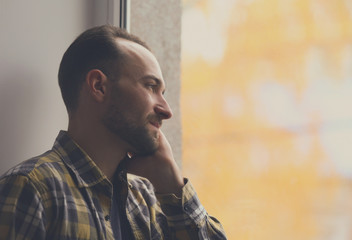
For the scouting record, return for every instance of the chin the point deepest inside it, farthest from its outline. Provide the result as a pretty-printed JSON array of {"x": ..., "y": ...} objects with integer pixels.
[{"x": 147, "y": 146}]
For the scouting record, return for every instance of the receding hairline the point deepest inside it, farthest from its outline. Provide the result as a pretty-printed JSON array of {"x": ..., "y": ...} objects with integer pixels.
[
  {"x": 130, "y": 50},
  {"x": 126, "y": 46}
]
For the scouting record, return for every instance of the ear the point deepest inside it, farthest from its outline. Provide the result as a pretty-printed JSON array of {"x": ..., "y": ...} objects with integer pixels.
[{"x": 97, "y": 84}]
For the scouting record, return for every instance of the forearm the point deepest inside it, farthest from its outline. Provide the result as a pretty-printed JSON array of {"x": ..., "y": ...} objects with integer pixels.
[
  {"x": 187, "y": 218},
  {"x": 159, "y": 168},
  {"x": 169, "y": 181}
]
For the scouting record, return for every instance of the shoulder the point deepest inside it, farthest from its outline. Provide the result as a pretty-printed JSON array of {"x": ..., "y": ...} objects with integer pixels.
[
  {"x": 47, "y": 160},
  {"x": 35, "y": 171}
]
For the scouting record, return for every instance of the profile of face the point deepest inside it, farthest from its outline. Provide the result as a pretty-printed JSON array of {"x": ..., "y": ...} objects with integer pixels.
[{"x": 136, "y": 105}]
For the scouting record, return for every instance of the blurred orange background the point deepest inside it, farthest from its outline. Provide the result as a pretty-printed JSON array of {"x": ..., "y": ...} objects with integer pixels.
[{"x": 267, "y": 116}]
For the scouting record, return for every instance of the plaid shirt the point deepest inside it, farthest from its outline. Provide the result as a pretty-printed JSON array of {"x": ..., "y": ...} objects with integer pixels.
[{"x": 63, "y": 195}]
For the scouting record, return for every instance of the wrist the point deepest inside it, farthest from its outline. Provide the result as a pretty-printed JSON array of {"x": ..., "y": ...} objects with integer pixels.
[
  {"x": 169, "y": 185},
  {"x": 175, "y": 189}
]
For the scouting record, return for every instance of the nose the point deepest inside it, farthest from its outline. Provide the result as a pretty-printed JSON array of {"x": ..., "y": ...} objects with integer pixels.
[{"x": 163, "y": 109}]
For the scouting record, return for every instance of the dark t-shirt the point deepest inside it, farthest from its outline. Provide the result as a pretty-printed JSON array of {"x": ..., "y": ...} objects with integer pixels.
[{"x": 115, "y": 217}]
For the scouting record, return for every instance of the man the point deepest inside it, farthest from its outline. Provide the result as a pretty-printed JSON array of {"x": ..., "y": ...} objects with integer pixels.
[{"x": 113, "y": 89}]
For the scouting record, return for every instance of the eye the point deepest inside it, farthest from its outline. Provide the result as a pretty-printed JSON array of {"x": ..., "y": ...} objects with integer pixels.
[{"x": 152, "y": 87}]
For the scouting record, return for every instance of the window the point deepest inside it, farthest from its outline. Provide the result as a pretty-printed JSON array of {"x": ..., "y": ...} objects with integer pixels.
[{"x": 267, "y": 118}]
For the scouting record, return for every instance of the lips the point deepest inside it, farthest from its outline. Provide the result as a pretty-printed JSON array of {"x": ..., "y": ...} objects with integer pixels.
[
  {"x": 156, "y": 124},
  {"x": 155, "y": 120}
]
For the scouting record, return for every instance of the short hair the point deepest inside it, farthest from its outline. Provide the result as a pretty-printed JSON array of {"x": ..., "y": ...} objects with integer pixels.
[{"x": 95, "y": 48}]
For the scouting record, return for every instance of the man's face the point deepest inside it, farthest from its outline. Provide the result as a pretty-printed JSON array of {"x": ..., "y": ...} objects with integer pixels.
[{"x": 136, "y": 105}]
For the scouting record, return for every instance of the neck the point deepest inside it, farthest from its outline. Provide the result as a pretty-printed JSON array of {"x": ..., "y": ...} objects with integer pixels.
[{"x": 103, "y": 147}]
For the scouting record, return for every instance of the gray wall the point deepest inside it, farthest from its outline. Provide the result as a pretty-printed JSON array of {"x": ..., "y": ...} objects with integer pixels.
[{"x": 158, "y": 22}]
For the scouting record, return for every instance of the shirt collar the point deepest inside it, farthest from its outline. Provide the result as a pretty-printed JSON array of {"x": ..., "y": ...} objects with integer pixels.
[{"x": 83, "y": 167}]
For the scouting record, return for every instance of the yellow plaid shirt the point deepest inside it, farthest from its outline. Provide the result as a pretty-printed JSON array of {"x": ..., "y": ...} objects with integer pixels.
[{"x": 63, "y": 195}]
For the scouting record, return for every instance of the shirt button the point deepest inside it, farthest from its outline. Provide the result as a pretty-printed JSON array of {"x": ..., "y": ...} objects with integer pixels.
[{"x": 107, "y": 217}]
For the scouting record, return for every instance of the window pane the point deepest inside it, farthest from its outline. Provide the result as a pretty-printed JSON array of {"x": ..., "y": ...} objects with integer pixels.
[{"x": 267, "y": 115}]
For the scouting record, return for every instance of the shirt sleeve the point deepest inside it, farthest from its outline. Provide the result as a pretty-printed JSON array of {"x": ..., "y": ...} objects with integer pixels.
[
  {"x": 21, "y": 210},
  {"x": 187, "y": 217}
]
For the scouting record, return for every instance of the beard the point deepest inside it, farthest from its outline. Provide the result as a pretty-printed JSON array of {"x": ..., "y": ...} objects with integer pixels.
[{"x": 143, "y": 141}]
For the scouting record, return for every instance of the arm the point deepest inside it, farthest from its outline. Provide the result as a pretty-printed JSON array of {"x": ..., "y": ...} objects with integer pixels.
[
  {"x": 186, "y": 217},
  {"x": 160, "y": 169},
  {"x": 21, "y": 210}
]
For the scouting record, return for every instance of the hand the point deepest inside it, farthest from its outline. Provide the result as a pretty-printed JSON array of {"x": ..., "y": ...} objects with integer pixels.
[{"x": 160, "y": 168}]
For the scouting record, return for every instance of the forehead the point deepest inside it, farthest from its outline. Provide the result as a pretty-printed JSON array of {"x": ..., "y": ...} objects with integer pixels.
[{"x": 138, "y": 60}]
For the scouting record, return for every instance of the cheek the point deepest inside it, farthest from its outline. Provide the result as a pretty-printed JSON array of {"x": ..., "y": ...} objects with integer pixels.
[
  {"x": 135, "y": 101},
  {"x": 140, "y": 99},
  {"x": 136, "y": 107}
]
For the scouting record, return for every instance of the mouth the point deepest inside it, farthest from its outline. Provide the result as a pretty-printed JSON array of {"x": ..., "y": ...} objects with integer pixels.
[
  {"x": 156, "y": 124},
  {"x": 155, "y": 121}
]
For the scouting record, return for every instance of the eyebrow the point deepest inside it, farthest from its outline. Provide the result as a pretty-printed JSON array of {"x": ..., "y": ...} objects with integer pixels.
[{"x": 157, "y": 80}]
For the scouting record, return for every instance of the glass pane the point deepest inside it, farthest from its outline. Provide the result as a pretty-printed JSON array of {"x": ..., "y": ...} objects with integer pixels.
[{"x": 267, "y": 115}]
